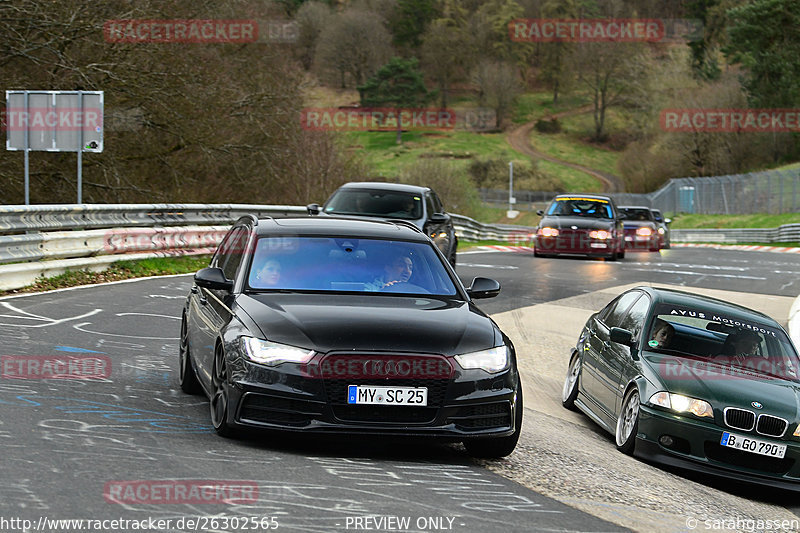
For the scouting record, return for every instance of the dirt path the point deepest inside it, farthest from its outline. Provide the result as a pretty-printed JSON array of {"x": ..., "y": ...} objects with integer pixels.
[{"x": 519, "y": 139}]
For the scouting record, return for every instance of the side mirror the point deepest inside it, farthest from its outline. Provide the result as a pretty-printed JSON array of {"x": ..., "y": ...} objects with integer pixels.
[
  {"x": 439, "y": 218},
  {"x": 484, "y": 288},
  {"x": 540, "y": 212},
  {"x": 213, "y": 278},
  {"x": 667, "y": 221},
  {"x": 621, "y": 336},
  {"x": 313, "y": 209}
]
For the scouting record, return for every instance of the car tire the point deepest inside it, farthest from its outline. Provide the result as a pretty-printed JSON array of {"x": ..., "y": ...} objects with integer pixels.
[
  {"x": 187, "y": 377},
  {"x": 218, "y": 403},
  {"x": 501, "y": 446},
  {"x": 621, "y": 253},
  {"x": 628, "y": 422},
  {"x": 571, "y": 383}
]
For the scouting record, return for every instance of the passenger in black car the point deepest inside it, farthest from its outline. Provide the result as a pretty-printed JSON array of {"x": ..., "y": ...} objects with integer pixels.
[{"x": 662, "y": 334}]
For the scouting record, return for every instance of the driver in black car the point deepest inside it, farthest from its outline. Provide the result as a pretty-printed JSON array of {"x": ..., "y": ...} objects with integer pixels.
[{"x": 398, "y": 270}]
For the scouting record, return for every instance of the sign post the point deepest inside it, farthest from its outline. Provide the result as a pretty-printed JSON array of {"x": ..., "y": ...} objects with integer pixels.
[{"x": 54, "y": 121}]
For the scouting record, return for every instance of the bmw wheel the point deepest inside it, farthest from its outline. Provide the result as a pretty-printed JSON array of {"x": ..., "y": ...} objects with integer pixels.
[
  {"x": 570, "y": 392},
  {"x": 628, "y": 423}
]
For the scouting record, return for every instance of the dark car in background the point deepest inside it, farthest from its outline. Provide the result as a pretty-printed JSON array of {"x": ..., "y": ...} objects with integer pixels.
[
  {"x": 420, "y": 206},
  {"x": 641, "y": 229},
  {"x": 348, "y": 326},
  {"x": 693, "y": 382},
  {"x": 663, "y": 228},
  {"x": 580, "y": 224}
]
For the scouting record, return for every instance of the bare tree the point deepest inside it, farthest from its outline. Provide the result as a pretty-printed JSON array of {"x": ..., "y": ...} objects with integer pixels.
[
  {"x": 353, "y": 47},
  {"x": 498, "y": 86},
  {"x": 608, "y": 70},
  {"x": 207, "y": 122},
  {"x": 311, "y": 18},
  {"x": 443, "y": 58}
]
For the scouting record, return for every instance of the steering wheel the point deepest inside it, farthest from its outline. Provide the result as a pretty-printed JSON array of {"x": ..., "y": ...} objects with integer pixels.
[{"x": 404, "y": 286}]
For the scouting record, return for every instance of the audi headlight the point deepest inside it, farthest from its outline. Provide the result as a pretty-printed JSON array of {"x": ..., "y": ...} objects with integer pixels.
[
  {"x": 548, "y": 232},
  {"x": 682, "y": 404},
  {"x": 492, "y": 360},
  {"x": 272, "y": 354},
  {"x": 600, "y": 234}
]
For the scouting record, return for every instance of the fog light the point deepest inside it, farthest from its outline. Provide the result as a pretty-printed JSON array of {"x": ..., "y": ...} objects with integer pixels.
[{"x": 666, "y": 441}]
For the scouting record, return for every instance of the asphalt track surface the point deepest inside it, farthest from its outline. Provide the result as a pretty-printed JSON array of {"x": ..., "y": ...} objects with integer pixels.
[{"x": 73, "y": 448}]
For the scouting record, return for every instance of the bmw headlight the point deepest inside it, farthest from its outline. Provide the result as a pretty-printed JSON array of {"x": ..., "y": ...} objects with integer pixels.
[
  {"x": 682, "y": 404},
  {"x": 272, "y": 354},
  {"x": 492, "y": 360}
]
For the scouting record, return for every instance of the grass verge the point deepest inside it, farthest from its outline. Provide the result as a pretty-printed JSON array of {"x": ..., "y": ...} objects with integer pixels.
[{"x": 157, "y": 266}]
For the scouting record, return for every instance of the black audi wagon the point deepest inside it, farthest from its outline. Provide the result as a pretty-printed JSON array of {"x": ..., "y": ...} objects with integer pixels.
[{"x": 336, "y": 325}]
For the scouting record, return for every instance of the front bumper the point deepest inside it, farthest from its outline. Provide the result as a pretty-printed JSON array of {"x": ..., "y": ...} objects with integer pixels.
[
  {"x": 472, "y": 403},
  {"x": 642, "y": 243},
  {"x": 574, "y": 243},
  {"x": 697, "y": 447}
]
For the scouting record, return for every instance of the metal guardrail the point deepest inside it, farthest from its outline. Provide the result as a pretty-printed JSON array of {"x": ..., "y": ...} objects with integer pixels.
[
  {"x": 469, "y": 229},
  {"x": 47, "y": 240},
  {"x": 785, "y": 233},
  {"x": 20, "y": 218}
]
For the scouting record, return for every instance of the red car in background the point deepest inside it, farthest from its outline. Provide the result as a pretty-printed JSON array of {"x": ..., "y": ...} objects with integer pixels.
[
  {"x": 580, "y": 224},
  {"x": 641, "y": 229}
]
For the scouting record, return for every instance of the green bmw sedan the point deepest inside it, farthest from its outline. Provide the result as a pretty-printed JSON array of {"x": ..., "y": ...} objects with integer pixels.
[{"x": 694, "y": 382}]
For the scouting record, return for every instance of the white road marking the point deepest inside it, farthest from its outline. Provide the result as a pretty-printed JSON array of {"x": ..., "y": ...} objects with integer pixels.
[
  {"x": 690, "y": 273},
  {"x": 25, "y": 315},
  {"x": 498, "y": 267}
]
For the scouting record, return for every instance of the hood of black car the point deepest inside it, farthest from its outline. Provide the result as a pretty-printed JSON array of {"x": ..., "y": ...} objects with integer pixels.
[
  {"x": 373, "y": 322},
  {"x": 560, "y": 222}
]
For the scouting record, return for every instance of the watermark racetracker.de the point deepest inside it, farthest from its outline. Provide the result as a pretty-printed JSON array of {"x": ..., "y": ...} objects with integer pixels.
[
  {"x": 730, "y": 120},
  {"x": 376, "y": 118},
  {"x": 182, "y": 491},
  {"x": 196, "y": 31},
  {"x": 67, "y": 367},
  {"x": 617, "y": 30}
]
